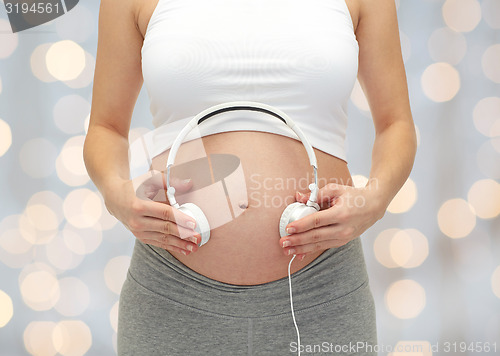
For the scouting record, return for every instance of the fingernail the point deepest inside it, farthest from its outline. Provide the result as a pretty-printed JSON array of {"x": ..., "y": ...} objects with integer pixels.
[
  {"x": 286, "y": 243},
  {"x": 184, "y": 252},
  {"x": 190, "y": 248},
  {"x": 191, "y": 224},
  {"x": 300, "y": 195},
  {"x": 186, "y": 181},
  {"x": 302, "y": 258},
  {"x": 290, "y": 230},
  {"x": 195, "y": 239},
  {"x": 291, "y": 251}
]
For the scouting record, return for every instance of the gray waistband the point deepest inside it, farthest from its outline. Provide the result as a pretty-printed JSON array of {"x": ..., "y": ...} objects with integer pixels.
[{"x": 335, "y": 273}]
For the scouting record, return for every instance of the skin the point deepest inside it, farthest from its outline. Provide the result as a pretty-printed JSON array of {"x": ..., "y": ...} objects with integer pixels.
[{"x": 245, "y": 244}]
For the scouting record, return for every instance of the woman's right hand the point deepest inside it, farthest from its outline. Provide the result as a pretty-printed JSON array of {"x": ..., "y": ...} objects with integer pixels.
[{"x": 154, "y": 223}]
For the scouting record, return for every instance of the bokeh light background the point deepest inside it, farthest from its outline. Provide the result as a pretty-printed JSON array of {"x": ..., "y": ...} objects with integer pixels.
[{"x": 434, "y": 260}]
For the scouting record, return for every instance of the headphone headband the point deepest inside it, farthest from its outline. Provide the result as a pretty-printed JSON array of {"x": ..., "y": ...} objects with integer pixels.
[{"x": 233, "y": 106}]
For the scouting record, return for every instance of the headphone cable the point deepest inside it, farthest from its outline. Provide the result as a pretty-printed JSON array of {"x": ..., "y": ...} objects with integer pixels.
[{"x": 291, "y": 305}]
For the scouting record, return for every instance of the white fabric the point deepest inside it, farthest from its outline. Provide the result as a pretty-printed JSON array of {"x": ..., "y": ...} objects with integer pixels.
[{"x": 298, "y": 56}]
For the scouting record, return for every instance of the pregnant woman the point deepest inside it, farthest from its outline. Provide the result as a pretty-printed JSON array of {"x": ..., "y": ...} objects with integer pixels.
[{"x": 230, "y": 296}]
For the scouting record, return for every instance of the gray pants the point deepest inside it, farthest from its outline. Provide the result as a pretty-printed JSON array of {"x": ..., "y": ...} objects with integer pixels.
[{"x": 169, "y": 309}]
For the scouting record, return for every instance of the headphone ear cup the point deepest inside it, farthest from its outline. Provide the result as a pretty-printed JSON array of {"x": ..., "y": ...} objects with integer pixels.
[
  {"x": 285, "y": 217},
  {"x": 292, "y": 212},
  {"x": 202, "y": 226}
]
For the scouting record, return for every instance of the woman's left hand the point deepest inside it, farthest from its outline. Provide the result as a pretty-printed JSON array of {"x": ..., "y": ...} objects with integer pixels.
[{"x": 346, "y": 212}]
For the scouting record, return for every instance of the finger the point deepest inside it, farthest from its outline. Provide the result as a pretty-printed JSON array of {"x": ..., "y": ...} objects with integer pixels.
[
  {"x": 167, "y": 242},
  {"x": 312, "y": 221},
  {"x": 301, "y": 256},
  {"x": 169, "y": 248},
  {"x": 309, "y": 245},
  {"x": 168, "y": 228},
  {"x": 167, "y": 213},
  {"x": 302, "y": 198},
  {"x": 315, "y": 247},
  {"x": 181, "y": 185},
  {"x": 148, "y": 185},
  {"x": 311, "y": 237},
  {"x": 330, "y": 192},
  {"x": 327, "y": 194}
]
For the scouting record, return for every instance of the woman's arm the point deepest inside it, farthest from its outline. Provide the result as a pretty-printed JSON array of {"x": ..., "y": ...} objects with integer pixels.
[
  {"x": 382, "y": 77},
  {"x": 117, "y": 83}
]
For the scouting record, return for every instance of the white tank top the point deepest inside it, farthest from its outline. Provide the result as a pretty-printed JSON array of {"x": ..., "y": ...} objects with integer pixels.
[{"x": 300, "y": 56}]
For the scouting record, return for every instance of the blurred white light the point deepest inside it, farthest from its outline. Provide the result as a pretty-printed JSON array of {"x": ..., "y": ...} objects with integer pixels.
[
  {"x": 107, "y": 221},
  {"x": 9, "y": 222},
  {"x": 38, "y": 338},
  {"x": 490, "y": 60},
  {"x": 40, "y": 290},
  {"x": 70, "y": 113},
  {"x": 495, "y": 142},
  {"x": 82, "y": 208},
  {"x": 113, "y": 316},
  {"x": 440, "y": 82},
  {"x": 359, "y": 181},
  {"x": 5, "y": 137},
  {"x": 484, "y": 196},
  {"x": 462, "y": 15},
  {"x": 32, "y": 234},
  {"x": 42, "y": 217},
  {"x": 37, "y": 158},
  {"x": 446, "y": 45},
  {"x": 495, "y": 282},
  {"x": 74, "y": 298},
  {"x": 60, "y": 255},
  {"x": 86, "y": 76},
  {"x": 420, "y": 248},
  {"x": 39, "y": 65},
  {"x": 456, "y": 218},
  {"x": 49, "y": 198},
  {"x": 359, "y": 99},
  {"x": 6, "y": 308},
  {"x": 15, "y": 252},
  {"x": 404, "y": 199},
  {"x": 81, "y": 241},
  {"x": 86, "y": 124},
  {"x": 412, "y": 348},
  {"x": 409, "y": 248},
  {"x": 72, "y": 338},
  {"x": 401, "y": 248},
  {"x": 491, "y": 13},
  {"x": 405, "y": 299},
  {"x": 487, "y": 116},
  {"x": 65, "y": 60},
  {"x": 11, "y": 241},
  {"x": 70, "y": 165},
  {"x": 115, "y": 273},
  {"x": 381, "y": 248},
  {"x": 406, "y": 248},
  {"x": 8, "y": 39}
]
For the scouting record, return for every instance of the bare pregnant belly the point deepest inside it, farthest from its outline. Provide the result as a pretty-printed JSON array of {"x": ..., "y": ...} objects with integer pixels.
[{"x": 262, "y": 172}]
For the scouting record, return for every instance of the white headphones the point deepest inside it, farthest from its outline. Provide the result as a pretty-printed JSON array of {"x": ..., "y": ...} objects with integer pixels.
[{"x": 291, "y": 213}]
